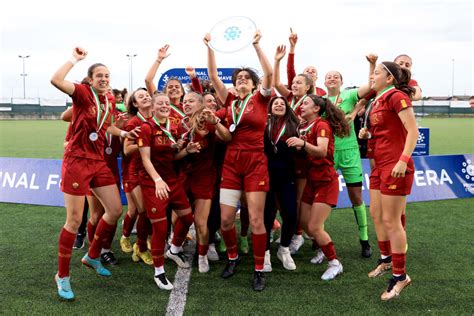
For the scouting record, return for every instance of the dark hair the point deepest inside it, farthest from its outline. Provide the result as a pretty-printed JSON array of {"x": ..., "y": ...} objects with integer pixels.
[
  {"x": 401, "y": 77},
  {"x": 123, "y": 92},
  {"x": 402, "y": 55},
  {"x": 91, "y": 69},
  {"x": 309, "y": 81},
  {"x": 133, "y": 110},
  {"x": 334, "y": 71},
  {"x": 253, "y": 76},
  {"x": 335, "y": 117},
  {"x": 290, "y": 118}
]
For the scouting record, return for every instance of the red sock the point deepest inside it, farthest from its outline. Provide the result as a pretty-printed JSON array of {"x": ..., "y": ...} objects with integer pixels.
[
  {"x": 158, "y": 238},
  {"x": 329, "y": 251},
  {"x": 259, "y": 246},
  {"x": 202, "y": 249},
  {"x": 385, "y": 248},
  {"x": 399, "y": 262},
  {"x": 299, "y": 230},
  {"x": 108, "y": 242},
  {"x": 142, "y": 231},
  {"x": 181, "y": 229},
  {"x": 100, "y": 237},
  {"x": 230, "y": 239},
  {"x": 127, "y": 226},
  {"x": 404, "y": 221},
  {"x": 90, "y": 232},
  {"x": 66, "y": 241}
]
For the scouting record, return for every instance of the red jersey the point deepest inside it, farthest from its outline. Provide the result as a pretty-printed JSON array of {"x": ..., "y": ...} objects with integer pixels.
[
  {"x": 388, "y": 133},
  {"x": 321, "y": 169},
  {"x": 176, "y": 115},
  {"x": 161, "y": 152},
  {"x": 291, "y": 74},
  {"x": 85, "y": 122},
  {"x": 132, "y": 163},
  {"x": 202, "y": 162},
  {"x": 413, "y": 83},
  {"x": 248, "y": 135},
  {"x": 295, "y": 103}
]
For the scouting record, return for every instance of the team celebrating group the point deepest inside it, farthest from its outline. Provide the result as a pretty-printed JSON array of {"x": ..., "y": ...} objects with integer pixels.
[{"x": 261, "y": 146}]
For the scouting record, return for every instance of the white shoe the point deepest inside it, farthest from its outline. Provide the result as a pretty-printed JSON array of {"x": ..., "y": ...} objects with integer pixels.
[
  {"x": 162, "y": 282},
  {"x": 267, "y": 264},
  {"x": 203, "y": 264},
  {"x": 319, "y": 258},
  {"x": 296, "y": 242},
  {"x": 178, "y": 258},
  {"x": 278, "y": 240},
  {"x": 333, "y": 270},
  {"x": 212, "y": 254},
  {"x": 285, "y": 257}
]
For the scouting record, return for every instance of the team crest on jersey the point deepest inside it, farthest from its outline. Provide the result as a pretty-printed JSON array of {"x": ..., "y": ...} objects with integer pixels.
[
  {"x": 153, "y": 210},
  {"x": 75, "y": 185},
  {"x": 261, "y": 183},
  {"x": 374, "y": 119},
  {"x": 158, "y": 132},
  {"x": 403, "y": 103},
  {"x": 392, "y": 187}
]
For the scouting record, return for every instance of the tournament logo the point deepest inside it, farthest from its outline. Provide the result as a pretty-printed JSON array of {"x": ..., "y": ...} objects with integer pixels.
[
  {"x": 421, "y": 138},
  {"x": 232, "y": 33},
  {"x": 468, "y": 174}
]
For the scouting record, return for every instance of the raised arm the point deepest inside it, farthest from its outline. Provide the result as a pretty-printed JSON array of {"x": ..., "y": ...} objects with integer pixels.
[
  {"x": 150, "y": 76},
  {"x": 58, "y": 80},
  {"x": 279, "y": 86},
  {"x": 221, "y": 90},
  {"x": 266, "y": 66},
  {"x": 372, "y": 59},
  {"x": 290, "y": 66},
  {"x": 195, "y": 83}
]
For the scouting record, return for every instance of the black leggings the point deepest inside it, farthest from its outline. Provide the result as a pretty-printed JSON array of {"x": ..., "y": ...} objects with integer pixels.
[{"x": 283, "y": 190}]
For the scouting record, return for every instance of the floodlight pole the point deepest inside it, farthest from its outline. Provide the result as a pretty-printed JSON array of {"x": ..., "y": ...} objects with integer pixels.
[
  {"x": 24, "y": 74},
  {"x": 130, "y": 70}
]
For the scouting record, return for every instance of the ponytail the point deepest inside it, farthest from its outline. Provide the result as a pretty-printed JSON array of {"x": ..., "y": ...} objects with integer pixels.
[{"x": 401, "y": 77}]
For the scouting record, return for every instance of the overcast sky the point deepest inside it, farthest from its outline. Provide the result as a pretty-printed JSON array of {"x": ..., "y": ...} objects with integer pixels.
[{"x": 333, "y": 35}]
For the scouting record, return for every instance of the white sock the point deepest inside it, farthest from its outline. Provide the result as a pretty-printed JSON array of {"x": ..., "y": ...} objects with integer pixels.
[
  {"x": 384, "y": 257},
  {"x": 104, "y": 251},
  {"x": 175, "y": 249},
  {"x": 159, "y": 270}
]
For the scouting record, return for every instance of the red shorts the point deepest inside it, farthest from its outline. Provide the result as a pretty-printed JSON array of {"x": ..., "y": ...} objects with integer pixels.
[
  {"x": 381, "y": 179},
  {"x": 81, "y": 174},
  {"x": 302, "y": 167},
  {"x": 245, "y": 170},
  {"x": 321, "y": 192},
  {"x": 156, "y": 208},
  {"x": 130, "y": 181},
  {"x": 200, "y": 185}
]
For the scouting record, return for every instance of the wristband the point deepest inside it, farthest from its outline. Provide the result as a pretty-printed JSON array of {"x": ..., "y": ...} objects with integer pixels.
[
  {"x": 123, "y": 134},
  {"x": 404, "y": 158},
  {"x": 73, "y": 61},
  {"x": 158, "y": 179}
]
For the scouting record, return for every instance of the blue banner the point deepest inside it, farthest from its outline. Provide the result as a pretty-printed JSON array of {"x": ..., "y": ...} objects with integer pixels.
[
  {"x": 225, "y": 74},
  {"x": 37, "y": 181},
  {"x": 422, "y": 147}
]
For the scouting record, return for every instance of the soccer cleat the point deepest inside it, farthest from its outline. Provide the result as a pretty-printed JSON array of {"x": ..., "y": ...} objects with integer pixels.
[
  {"x": 383, "y": 265},
  {"x": 296, "y": 242},
  {"x": 212, "y": 254},
  {"x": 179, "y": 259},
  {"x": 319, "y": 258},
  {"x": 148, "y": 243},
  {"x": 144, "y": 256},
  {"x": 267, "y": 262},
  {"x": 108, "y": 258},
  {"x": 243, "y": 245},
  {"x": 64, "y": 288},
  {"x": 284, "y": 256},
  {"x": 79, "y": 242},
  {"x": 203, "y": 264},
  {"x": 96, "y": 265},
  {"x": 333, "y": 270},
  {"x": 395, "y": 287},
  {"x": 125, "y": 244},
  {"x": 162, "y": 282},
  {"x": 258, "y": 281},
  {"x": 229, "y": 269},
  {"x": 366, "y": 249}
]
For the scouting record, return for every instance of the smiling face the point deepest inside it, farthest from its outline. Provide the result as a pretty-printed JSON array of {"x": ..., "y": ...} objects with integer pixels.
[
  {"x": 299, "y": 87},
  {"x": 243, "y": 82},
  {"x": 210, "y": 102},
  {"x": 333, "y": 80},
  {"x": 309, "y": 109},
  {"x": 312, "y": 72},
  {"x": 380, "y": 78},
  {"x": 161, "y": 106},
  {"x": 142, "y": 100},
  {"x": 191, "y": 103},
  {"x": 404, "y": 62},
  {"x": 279, "y": 107},
  {"x": 100, "y": 79},
  {"x": 174, "y": 89}
]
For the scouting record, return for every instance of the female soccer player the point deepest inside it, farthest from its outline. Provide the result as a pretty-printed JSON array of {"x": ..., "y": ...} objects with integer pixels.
[
  {"x": 322, "y": 188},
  {"x": 394, "y": 131},
  {"x": 245, "y": 166},
  {"x": 406, "y": 62},
  {"x": 84, "y": 166},
  {"x": 282, "y": 124},
  {"x": 162, "y": 188},
  {"x": 200, "y": 126}
]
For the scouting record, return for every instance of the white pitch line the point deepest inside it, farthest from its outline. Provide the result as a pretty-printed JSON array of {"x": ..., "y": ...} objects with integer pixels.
[{"x": 177, "y": 300}]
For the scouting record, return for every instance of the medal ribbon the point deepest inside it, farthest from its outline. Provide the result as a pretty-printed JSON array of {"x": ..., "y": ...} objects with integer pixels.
[
  {"x": 166, "y": 129},
  {"x": 175, "y": 108},
  {"x": 384, "y": 91},
  {"x": 295, "y": 106},
  {"x": 141, "y": 117},
  {"x": 99, "y": 110},
  {"x": 306, "y": 129},
  {"x": 280, "y": 134},
  {"x": 189, "y": 130},
  {"x": 237, "y": 118}
]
